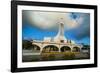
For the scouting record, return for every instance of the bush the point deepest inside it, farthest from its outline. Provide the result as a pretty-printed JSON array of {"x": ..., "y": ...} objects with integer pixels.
[
  {"x": 47, "y": 56},
  {"x": 68, "y": 56}
]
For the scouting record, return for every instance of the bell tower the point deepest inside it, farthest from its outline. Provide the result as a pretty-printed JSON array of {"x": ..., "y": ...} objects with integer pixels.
[{"x": 60, "y": 35}]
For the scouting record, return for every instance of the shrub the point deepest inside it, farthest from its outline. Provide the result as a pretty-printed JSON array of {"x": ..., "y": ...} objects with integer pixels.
[
  {"x": 68, "y": 56},
  {"x": 47, "y": 56}
]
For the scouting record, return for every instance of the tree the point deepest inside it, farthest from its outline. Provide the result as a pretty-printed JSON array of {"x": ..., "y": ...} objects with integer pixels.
[{"x": 26, "y": 44}]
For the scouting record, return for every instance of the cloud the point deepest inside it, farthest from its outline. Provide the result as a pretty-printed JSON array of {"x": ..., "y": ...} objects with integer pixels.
[
  {"x": 83, "y": 30},
  {"x": 76, "y": 23},
  {"x": 48, "y": 20}
]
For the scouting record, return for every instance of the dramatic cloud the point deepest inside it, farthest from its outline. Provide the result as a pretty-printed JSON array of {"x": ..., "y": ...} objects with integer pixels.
[
  {"x": 47, "y": 20},
  {"x": 83, "y": 30},
  {"x": 77, "y": 24}
]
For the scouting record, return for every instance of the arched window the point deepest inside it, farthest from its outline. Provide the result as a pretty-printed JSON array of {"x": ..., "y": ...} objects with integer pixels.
[
  {"x": 50, "y": 48},
  {"x": 65, "y": 49},
  {"x": 76, "y": 49}
]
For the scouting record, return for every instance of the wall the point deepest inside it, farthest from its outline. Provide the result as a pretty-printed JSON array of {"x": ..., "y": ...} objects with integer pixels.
[{"x": 5, "y": 37}]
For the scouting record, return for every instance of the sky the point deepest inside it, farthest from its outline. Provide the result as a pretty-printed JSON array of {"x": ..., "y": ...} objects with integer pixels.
[{"x": 39, "y": 24}]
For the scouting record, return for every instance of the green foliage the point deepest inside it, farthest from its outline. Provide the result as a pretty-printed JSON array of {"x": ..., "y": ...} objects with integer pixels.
[
  {"x": 58, "y": 56},
  {"x": 26, "y": 44},
  {"x": 68, "y": 56},
  {"x": 47, "y": 56}
]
